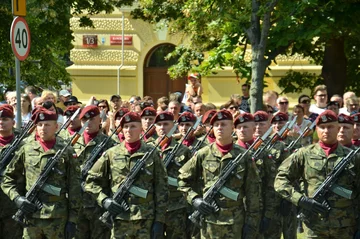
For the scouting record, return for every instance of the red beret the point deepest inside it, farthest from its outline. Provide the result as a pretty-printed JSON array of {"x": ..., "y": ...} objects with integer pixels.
[
  {"x": 130, "y": 117},
  {"x": 243, "y": 118},
  {"x": 356, "y": 117},
  {"x": 148, "y": 111},
  {"x": 6, "y": 111},
  {"x": 346, "y": 119},
  {"x": 70, "y": 110},
  {"x": 327, "y": 116},
  {"x": 43, "y": 114},
  {"x": 208, "y": 115},
  {"x": 280, "y": 116},
  {"x": 261, "y": 116},
  {"x": 221, "y": 115},
  {"x": 164, "y": 116},
  {"x": 89, "y": 112},
  {"x": 121, "y": 112},
  {"x": 187, "y": 117}
]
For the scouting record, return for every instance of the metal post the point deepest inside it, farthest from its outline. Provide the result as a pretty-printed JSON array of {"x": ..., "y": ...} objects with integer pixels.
[{"x": 18, "y": 96}]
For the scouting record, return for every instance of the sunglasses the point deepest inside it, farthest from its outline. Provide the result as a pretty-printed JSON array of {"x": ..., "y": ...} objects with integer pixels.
[
  {"x": 270, "y": 112},
  {"x": 232, "y": 107},
  {"x": 305, "y": 102},
  {"x": 284, "y": 103},
  {"x": 321, "y": 95},
  {"x": 102, "y": 106}
]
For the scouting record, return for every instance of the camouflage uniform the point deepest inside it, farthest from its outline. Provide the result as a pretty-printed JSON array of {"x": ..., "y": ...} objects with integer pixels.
[
  {"x": 312, "y": 165},
  {"x": 111, "y": 170},
  {"x": 89, "y": 225},
  {"x": 64, "y": 134},
  {"x": 228, "y": 222},
  {"x": 26, "y": 166}
]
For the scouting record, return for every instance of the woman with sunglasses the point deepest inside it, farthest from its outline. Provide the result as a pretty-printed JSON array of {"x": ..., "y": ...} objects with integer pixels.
[
  {"x": 105, "y": 115},
  {"x": 304, "y": 101}
]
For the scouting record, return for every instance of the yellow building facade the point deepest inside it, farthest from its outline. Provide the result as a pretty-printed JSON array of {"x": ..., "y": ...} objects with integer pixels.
[{"x": 104, "y": 65}]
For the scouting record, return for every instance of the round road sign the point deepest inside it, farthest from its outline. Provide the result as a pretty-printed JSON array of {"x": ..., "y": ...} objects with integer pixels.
[{"x": 20, "y": 38}]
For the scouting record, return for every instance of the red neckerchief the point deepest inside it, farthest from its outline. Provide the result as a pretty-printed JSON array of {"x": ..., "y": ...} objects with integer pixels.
[
  {"x": 6, "y": 140},
  {"x": 245, "y": 145},
  {"x": 189, "y": 141},
  {"x": 46, "y": 145},
  {"x": 328, "y": 148},
  {"x": 88, "y": 137},
  {"x": 72, "y": 132},
  {"x": 224, "y": 149},
  {"x": 211, "y": 138},
  {"x": 121, "y": 137},
  {"x": 133, "y": 147},
  {"x": 167, "y": 144},
  {"x": 356, "y": 142}
]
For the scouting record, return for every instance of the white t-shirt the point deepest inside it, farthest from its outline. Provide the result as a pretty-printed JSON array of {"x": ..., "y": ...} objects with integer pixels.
[
  {"x": 344, "y": 111},
  {"x": 316, "y": 109}
]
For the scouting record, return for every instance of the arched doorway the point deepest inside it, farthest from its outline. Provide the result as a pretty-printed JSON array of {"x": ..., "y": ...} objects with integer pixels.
[{"x": 157, "y": 82}]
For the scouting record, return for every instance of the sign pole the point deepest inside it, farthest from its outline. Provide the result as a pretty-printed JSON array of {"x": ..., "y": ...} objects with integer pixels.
[{"x": 18, "y": 96}]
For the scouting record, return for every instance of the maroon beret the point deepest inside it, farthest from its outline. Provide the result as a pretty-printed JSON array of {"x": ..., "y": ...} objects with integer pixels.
[
  {"x": 89, "y": 112},
  {"x": 346, "y": 119},
  {"x": 43, "y": 114},
  {"x": 148, "y": 111},
  {"x": 130, "y": 117},
  {"x": 208, "y": 115},
  {"x": 187, "y": 117},
  {"x": 6, "y": 111},
  {"x": 221, "y": 115},
  {"x": 280, "y": 116},
  {"x": 356, "y": 117},
  {"x": 164, "y": 116},
  {"x": 261, "y": 116},
  {"x": 243, "y": 118},
  {"x": 121, "y": 112},
  {"x": 70, "y": 110},
  {"x": 327, "y": 116}
]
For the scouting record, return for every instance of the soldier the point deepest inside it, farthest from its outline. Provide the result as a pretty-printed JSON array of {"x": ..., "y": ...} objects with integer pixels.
[
  {"x": 337, "y": 217},
  {"x": 356, "y": 133},
  {"x": 278, "y": 121},
  {"x": 59, "y": 199},
  {"x": 244, "y": 128},
  {"x": 75, "y": 124},
  {"x": 88, "y": 225},
  {"x": 176, "y": 214},
  {"x": 185, "y": 122},
  {"x": 147, "y": 119},
  {"x": 145, "y": 216},
  {"x": 210, "y": 138},
  {"x": 8, "y": 227},
  {"x": 346, "y": 131},
  {"x": 118, "y": 138},
  {"x": 225, "y": 217}
]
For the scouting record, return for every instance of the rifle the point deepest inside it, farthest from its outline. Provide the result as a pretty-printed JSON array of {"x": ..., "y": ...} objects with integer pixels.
[
  {"x": 40, "y": 184},
  {"x": 95, "y": 154},
  {"x": 68, "y": 121},
  {"x": 270, "y": 143},
  {"x": 218, "y": 186},
  {"x": 150, "y": 129},
  {"x": 127, "y": 186},
  {"x": 6, "y": 156},
  {"x": 329, "y": 183},
  {"x": 199, "y": 143},
  {"x": 306, "y": 131}
]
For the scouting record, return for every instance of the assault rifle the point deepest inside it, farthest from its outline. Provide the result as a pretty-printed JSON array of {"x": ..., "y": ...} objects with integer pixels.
[
  {"x": 303, "y": 134},
  {"x": 199, "y": 143},
  {"x": 149, "y": 130},
  {"x": 229, "y": 169},
  {"x": 127, "y": 186},
  {"x": 321, "y": 193},
  {"x": 7, "y": 154},
  {"x": 95, "y": 154},
  {"x": 40, "y": 184},
  {"x": 68, "y": 121}
]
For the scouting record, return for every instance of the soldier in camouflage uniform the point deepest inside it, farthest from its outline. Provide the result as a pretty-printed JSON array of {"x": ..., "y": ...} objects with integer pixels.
[
  {"x": 147, "y": 119},
  {"x": 59, "y": 197},
  {"x": 176, "y": 214},
  {"x": 74, "y": 126},
  {"x": 185, "y": 122},
  {"x": 244, "y": 128},
  {"x": 118, "y": 138},
  {"x": 356, "y": 134},
  {"x": 346, "y": 131},
  {"x": 8, "y": 227},
  {"x": 146, "y": 215},
  {"x": 89, "y": 225},
  {"x": 337, "y": 217},
  {"x": 225, "y": 217},
  {"x": 210, "y": 138}
]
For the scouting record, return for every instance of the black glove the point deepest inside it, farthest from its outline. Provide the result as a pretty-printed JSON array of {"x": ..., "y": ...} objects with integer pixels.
[
  {"x": 25, "y": 205},
  {"x": 264, "y": 224},
  {"x": 113, "y": 207},
  {"x": 70, "y": 230},
  {"x": 157, "y": 231},
  {"x": 285, "y": 207},
  {"x": 313, "y": 206},
  {"x": 202, "y": 206}
]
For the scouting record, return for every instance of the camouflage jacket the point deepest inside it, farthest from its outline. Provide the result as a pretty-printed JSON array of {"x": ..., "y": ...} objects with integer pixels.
[
  {"x": 27, "y": 164},
  {"x": 206, "y": 166},
  {"x": 112, "y": 168},
  {"x": 312, "y": 165}
]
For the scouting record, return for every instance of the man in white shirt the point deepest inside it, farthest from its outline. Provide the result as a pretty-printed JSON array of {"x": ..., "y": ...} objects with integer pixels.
[{"x": 321, "y": 97}]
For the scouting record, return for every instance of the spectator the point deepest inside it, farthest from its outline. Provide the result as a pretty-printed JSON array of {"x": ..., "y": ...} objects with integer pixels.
[
  {"x": 177, "y": 96},
  {"x": 199, "y": 109},
  {"x": 338, "y": 99},
  {"x": 282, "y": 103},
  {"x": 334, "y": 106},
  {"x": 137, "y": 107},
  {"x": 73, "y": 100},
  {"x": 51, "y": 106},
  {"x": 270, "y": 110},
  {"x": 162, "y": 104},
  {"x": 304, "y": 101},
  {"x": 300, "y": 125},
  {"x": 115, "y": 102},
  {"x": 232, "y": 107},
  {"x": 174, "y": 108},
  {"x": 210, "y": 106},
  {"x": 48, "y": 95},
  {"x": 194, "y": 88},
  {"x": 352, "y": 105},
  {"x": 25, "y": 109},
  {"x": 244, "y": 105},
  {"x": 37, "y": 101},
  {"x": 321, "y": 97},
  {"x": 105, "y": 115},
  {"x": 64, "y": 96},
  {"x": 133, "y": 100},
  {"x": 31, "y": 92},
  {"x": 269, "y": 98},
  {"x": 356, "y": 133},
  {"x": 346, "y": 96},
  {"x": 149, "y": 100}
]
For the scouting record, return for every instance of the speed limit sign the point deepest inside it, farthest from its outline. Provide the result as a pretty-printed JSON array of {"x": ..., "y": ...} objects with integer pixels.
[{"x": 20, "y": 38}]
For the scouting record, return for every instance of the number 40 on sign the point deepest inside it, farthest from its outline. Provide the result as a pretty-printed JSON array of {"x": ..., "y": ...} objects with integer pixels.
[{"x": 20, "y": 38}]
